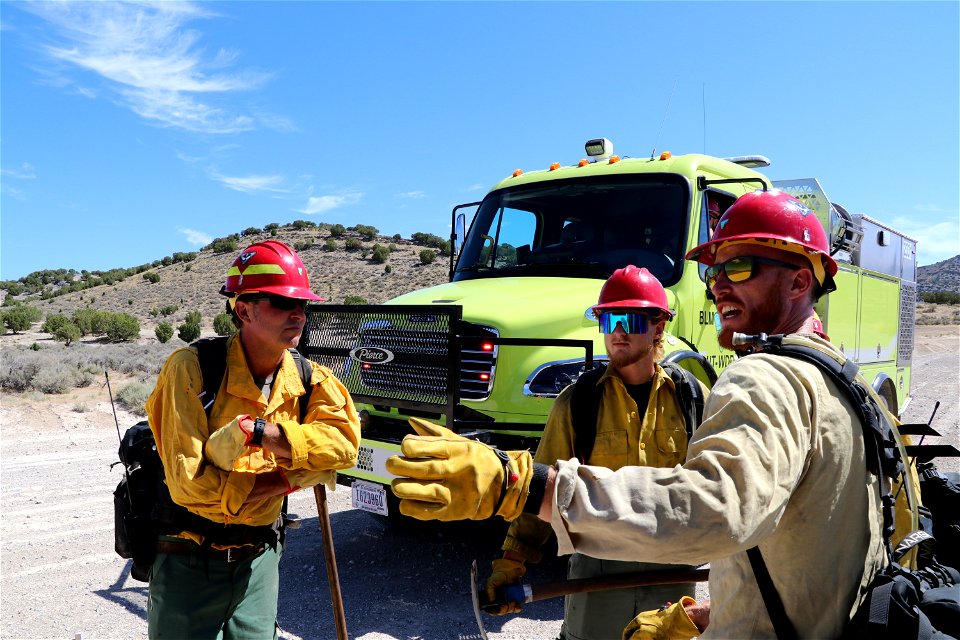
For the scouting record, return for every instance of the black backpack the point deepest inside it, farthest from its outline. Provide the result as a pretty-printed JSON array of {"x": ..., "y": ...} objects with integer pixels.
[
  {"x": 585, "y": 405},
  {"x": 941, "y": 496},
  {"x": 143, "y": 508},
  {"x": 900, "y": 604}
]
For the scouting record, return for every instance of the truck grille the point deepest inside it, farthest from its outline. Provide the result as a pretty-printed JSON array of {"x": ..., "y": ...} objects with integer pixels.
[
  {"x": 427, "y": 374},
  {"x": 403, "y": 356}
]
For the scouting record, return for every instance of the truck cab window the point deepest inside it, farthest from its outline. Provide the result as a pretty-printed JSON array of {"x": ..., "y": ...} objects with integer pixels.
[{"x": 579, "y": 228}]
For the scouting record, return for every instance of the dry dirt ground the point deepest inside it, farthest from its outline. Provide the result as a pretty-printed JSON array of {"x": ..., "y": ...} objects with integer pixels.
[{"x": 59, "y": 576}]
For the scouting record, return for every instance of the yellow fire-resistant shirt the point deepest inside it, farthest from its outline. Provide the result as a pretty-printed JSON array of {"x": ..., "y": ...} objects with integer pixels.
[
  {"x": 625, "y": 436},
  {"x": 777, "y": 462},
  {"x": 328, "y": 439}
]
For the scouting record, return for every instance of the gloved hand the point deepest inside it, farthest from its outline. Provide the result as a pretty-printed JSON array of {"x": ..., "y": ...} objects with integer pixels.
[
  {"x": 505, "y": 572},
  {"x": 228, "y": 444},
  {"x": 669, "y": 623},
  {"x": 444, "y": 476}
]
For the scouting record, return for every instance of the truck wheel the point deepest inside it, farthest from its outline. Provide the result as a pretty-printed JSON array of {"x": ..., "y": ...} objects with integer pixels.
[
  {"x": 695, "y": 363},
  {"x": 884, "y": 388}
]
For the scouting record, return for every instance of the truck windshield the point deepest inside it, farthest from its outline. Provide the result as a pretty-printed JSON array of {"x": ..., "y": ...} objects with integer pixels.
[{"x": 584, "y": 228}]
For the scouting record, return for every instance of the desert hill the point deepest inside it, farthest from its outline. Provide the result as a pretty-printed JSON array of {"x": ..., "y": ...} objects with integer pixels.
[{"x": 194, "y": 285}]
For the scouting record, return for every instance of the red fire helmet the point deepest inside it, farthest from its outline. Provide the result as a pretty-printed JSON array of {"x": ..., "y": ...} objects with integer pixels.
[
  {"x": 774, "y": 219},
  {"x": 269, "y": 267},
  {"x": 633, "y": 288}
]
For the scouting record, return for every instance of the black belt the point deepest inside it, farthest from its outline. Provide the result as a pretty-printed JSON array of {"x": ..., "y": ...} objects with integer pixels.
[{"x": 189, "y": 548}]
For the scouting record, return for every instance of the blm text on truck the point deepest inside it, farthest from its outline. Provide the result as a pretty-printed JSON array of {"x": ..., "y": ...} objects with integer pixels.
[{"x": 487, "y": 353}]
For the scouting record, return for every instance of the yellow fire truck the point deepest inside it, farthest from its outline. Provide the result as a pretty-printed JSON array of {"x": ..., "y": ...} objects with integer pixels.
[{"x": 489, "y": 351}]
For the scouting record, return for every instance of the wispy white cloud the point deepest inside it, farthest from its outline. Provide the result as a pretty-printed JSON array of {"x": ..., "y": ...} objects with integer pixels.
[
  {"x": 412, "y": 195},
  {"x": 13, "y": 192},
  {"x": 150, "y": 59},
  {"x": 936, "y": 241},
  {"x": 319, "y": 204},
  {"x": 86, "y": 92},
  {"x": 194, "y": 237},
  {"x": 188, "y": 158},
  {"x": 250, "y": 184},
  {"x": 475, "y": 187},
  {"x": 24, "y": 172}
]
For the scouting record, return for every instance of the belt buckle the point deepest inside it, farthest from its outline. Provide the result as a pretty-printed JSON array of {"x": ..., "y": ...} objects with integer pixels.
[{"x": 230, "y": 554}]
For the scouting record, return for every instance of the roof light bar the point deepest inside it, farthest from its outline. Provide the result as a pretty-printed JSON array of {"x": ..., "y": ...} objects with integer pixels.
[{"x": 599, "y": 149}]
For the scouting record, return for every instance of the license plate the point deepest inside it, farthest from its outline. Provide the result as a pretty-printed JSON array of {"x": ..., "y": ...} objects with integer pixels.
[{"x": 368, "y": 496}]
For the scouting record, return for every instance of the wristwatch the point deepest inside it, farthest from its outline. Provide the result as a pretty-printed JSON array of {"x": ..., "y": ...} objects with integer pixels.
[{"x": 256, "y": 440}]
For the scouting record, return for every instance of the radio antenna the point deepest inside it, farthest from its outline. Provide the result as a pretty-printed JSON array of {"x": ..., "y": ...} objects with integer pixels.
[
  {"x": 703, "y": 101},
  {"x": 656, "y": 140}
]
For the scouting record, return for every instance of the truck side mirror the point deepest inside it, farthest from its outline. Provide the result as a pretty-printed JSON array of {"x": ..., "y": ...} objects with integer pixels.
[{"x": 459, "y": 231}]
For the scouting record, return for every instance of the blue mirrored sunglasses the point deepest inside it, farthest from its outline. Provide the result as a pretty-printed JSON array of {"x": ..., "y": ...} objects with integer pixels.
[{"x": 629, "y": 321}]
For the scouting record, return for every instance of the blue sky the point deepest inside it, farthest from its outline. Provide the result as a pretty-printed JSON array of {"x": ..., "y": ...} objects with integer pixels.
[{"x": 129, "y": 132}]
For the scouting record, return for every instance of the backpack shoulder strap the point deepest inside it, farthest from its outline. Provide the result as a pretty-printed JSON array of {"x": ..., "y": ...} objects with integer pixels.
[
  {"x": 880, "y": 450},
  {"x": 584, "y": 410},
  {"x": 689, "y": 395},
  {"x": 882, "y": 456},
  {"x": 782, "y": 625},
  {"x": 212, "y": 354},
  {"x": 306, "y": 373}
]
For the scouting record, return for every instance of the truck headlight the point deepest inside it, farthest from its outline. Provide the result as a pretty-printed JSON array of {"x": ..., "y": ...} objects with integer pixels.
[{"x": 549, "y": 379}]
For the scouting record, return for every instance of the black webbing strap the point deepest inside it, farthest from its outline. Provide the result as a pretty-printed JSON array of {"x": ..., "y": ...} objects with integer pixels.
[
  {"x": 689, "y": 395},
  {"x": 771, "y": 598},
  {"x": 584, "y": 411},
  {"x": 212, "y": 355}
]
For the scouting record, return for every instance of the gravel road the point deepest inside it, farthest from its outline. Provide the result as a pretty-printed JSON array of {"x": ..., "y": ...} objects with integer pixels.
[{"x": 59, "y": 576}]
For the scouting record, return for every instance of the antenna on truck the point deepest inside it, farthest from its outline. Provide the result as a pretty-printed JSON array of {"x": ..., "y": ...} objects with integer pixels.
[
  {"x": 703, "y": 108},
  {"x": 656, "y": 140}
]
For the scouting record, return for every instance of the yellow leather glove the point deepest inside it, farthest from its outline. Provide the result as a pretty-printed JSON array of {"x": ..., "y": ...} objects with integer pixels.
[
  {"x": 227, "y": 445},
  {"x": 505, "y": 572},
  {"x": 443, "y": 476},
  {"x": 670, "y": 623}
]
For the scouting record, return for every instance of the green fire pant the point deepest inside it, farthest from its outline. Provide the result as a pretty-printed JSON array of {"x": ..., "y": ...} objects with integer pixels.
[
  {"x": 196, "y": 597},
  {"x": 602, "y": 615}
]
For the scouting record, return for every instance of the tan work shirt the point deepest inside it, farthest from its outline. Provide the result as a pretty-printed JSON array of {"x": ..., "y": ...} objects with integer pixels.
[
  {"x": 657, "y": 437},
  {"x": 778, "y": 462},
  {"x": 328, "y": 439}
]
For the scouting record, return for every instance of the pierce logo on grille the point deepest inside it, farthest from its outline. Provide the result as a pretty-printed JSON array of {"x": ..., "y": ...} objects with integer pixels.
[{"x": 371, "y": 355}]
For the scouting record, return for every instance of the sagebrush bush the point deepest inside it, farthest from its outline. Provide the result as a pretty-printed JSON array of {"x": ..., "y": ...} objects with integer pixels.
[
  {"x": 353, "y": 244},
  {"x": 134, "y": 396},
  {"x": 193, "y": 317},
  {"x": 17, "y": 370},
  {"x": 427, "y": 256},
  {"x": 56, "y": 378}
]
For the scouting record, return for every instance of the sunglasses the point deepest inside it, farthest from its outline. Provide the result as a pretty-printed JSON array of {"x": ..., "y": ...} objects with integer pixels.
[
  {"x": 281, "y": 303},
  {"x": 629, "y": 321},
  {"x": 740, "y": 269}
]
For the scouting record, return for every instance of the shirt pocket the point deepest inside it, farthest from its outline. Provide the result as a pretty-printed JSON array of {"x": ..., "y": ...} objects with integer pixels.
[
  {"x": 610, "y": 449},
  {"x": 671, "y": 441}
]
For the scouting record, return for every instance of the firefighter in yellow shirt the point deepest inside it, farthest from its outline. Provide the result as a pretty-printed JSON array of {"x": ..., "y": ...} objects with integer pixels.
[
  {"x": 219, "y": 577},
  {"x": 639, "y": 420}
]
